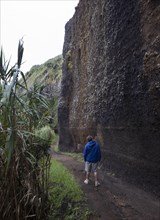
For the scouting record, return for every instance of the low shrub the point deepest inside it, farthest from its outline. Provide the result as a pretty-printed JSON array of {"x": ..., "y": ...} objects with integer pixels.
[{"x": 45, "y": 135}]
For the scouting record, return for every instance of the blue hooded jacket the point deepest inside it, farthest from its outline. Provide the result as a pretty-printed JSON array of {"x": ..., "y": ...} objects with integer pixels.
[{"x": 92, "y": 152}]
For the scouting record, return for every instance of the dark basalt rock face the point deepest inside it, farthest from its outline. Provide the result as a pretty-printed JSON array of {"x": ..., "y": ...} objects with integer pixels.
[{"x": 111, "y": 86}]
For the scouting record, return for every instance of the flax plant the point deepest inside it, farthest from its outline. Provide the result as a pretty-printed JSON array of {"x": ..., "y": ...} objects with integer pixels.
[{"x": 24, "y": 161}]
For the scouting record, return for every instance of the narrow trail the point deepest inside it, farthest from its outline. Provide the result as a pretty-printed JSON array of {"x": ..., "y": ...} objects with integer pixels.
[{"x": 113, "y": 199}]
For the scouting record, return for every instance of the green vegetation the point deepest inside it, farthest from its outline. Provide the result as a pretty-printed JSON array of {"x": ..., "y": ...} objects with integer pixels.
[
  {"x": 65, "y": 195},
  {"x": 77, "y": 156},
  {"x": 45, "y": 74},
  {"x": 45, "y": 134},
  {"x": 31, "y": 187},
  {"x": 24, "y": 159},
  {"x": 68, "y": 60},
  {"x": 56, "y": 148},
  {"x": 46, "y": 79}
]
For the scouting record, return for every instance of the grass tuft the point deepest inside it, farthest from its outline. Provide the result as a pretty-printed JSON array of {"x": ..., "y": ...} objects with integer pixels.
[
  {"x": 65, "y": 195},
  {"x": 77, "y": 156}
]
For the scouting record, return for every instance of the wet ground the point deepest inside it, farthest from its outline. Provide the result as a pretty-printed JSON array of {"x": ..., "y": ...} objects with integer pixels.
[{"x": 113, "y": 199}]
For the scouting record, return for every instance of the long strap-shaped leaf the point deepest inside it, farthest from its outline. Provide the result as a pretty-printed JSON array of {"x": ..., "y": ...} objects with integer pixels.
[
  {"x": 9, "y": 147},
  {"x": 20, "y": 53}
]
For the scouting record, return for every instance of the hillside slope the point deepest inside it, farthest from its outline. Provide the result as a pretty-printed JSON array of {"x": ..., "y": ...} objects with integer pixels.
[{"x": 48, "y": 77}]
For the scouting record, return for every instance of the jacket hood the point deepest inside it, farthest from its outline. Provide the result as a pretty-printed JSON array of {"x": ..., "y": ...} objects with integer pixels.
[{"x": 91, "y": 144}]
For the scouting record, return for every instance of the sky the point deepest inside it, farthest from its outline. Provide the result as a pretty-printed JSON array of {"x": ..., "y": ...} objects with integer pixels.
[{"x": 41, "y": 24}]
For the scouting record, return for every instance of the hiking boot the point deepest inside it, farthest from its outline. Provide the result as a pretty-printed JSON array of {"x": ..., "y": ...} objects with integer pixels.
[
  {"x": 86, "y": 181},
  {"x": 97, "y": 184}
]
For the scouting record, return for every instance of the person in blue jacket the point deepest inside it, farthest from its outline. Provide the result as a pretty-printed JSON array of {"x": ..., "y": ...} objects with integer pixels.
[{"x": 92, "y": 155}]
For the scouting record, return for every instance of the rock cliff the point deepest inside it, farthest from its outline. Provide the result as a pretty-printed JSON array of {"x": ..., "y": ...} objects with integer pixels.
[{"x": 111, "y": 86}]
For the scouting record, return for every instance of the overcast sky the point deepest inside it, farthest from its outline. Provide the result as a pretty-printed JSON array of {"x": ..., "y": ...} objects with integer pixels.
[{"x": 40, "y": 23}]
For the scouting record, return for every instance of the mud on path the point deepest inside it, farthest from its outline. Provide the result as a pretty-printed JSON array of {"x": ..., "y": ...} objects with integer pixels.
[{"x": 113, "y": 199}]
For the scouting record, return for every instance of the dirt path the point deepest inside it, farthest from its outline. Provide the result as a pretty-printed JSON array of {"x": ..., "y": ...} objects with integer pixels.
[{"x": 113, "y": 199}]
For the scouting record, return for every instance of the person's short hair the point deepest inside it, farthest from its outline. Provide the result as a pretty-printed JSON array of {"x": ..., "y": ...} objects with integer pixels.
[{"x": 89, "y": 138}]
